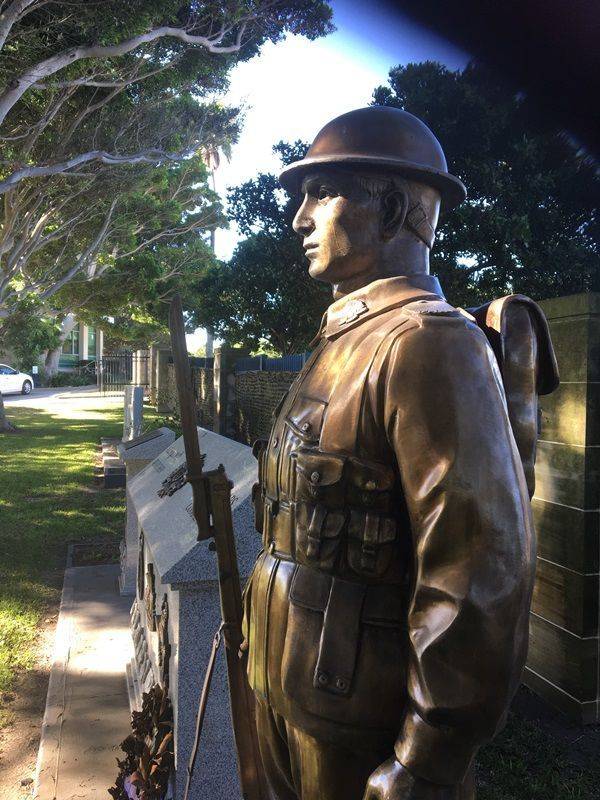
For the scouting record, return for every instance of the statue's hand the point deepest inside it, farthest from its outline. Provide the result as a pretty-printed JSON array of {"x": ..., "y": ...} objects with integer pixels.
[{"x": 392, "y": 781}]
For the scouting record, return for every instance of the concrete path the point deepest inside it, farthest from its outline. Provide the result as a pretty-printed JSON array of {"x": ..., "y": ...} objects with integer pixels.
[
  {"x": 87, "y": 709},
  {"x": 76, "y": 398}
]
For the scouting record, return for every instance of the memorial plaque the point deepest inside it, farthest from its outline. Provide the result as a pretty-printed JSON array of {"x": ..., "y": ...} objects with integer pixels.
[
  {"x": 137, "y": 454},
  {"x": 187, "y": 597}
]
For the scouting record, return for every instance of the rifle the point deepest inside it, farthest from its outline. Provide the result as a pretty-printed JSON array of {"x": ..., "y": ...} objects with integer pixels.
[{"x": 211, "y": 493}]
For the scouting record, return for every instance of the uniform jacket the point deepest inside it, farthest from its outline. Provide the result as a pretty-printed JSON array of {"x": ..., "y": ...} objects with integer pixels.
[{"x": 389, "y": 606}]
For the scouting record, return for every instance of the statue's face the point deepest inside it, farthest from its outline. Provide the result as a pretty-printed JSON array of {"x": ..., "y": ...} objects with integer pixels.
[{"x": 340, "y": 226}]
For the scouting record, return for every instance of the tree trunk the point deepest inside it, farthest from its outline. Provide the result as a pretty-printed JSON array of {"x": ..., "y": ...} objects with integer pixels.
[
  {"x": 5, "y": 425},
  {"x": 53, "y": 356}
]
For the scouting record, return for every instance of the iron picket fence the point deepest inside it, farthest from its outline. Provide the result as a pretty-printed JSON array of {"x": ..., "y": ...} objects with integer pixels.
[{"x": 293, "y": 363}]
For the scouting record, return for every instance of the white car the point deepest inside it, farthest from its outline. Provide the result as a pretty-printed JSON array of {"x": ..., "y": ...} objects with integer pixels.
[{"x": 11, "y": 380}]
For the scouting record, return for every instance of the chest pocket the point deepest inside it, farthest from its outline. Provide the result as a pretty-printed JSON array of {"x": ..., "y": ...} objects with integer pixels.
[
  {"x": 305, "y": 418},
  {"x": 300, "y": 426}
]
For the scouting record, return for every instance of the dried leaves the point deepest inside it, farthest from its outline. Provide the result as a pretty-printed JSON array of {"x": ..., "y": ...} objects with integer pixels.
[{"x": 149, "y": 757}]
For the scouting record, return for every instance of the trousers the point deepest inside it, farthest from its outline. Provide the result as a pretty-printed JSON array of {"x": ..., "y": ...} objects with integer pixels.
[{"x": 300, "y": 767}]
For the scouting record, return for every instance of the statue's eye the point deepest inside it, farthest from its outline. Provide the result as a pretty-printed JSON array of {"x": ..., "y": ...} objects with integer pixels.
[{"x": 324, "y": 192}]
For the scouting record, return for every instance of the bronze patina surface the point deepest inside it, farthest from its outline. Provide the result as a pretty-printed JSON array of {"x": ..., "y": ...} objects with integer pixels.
[{"x": 387, "y": 615}]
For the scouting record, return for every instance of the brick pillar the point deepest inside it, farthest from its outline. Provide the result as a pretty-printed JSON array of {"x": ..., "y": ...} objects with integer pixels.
[
  {"x": 224, "y": 388},
  {"x": 563, "y": 664}
]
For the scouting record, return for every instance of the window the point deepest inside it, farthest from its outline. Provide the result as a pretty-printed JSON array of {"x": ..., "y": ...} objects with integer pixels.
[
  {"x": 91, "y": 342},
  {"x": 71, "y": 343}
]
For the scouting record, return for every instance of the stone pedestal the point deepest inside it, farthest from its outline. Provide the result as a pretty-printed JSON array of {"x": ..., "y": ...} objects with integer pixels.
[
  {"x": 176, "y": 612},
  {"x": 137, "y": 454},
  {"x": 563, "y": 664}
]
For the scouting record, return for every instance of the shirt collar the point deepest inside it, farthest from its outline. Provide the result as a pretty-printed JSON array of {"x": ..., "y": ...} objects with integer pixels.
[{"x": 374, "y": 299}]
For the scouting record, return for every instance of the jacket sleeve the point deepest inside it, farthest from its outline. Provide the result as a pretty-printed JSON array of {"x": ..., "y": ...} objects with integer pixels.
[{"x": 473, "y": 545}]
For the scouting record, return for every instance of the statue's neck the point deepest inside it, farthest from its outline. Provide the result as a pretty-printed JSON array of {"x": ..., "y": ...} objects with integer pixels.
[{"x": 405, "y": 257}]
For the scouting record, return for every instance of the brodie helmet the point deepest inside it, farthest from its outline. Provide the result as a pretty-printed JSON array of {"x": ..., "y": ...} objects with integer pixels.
[{"x": 384, "y": 137}]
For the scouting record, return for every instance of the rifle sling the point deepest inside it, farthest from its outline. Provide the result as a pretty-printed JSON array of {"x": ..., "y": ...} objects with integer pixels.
[{"x": 210, "y": 668}]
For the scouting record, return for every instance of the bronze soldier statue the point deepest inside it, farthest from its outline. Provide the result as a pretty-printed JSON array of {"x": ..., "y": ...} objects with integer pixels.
[{"x": 387, "y": 614}]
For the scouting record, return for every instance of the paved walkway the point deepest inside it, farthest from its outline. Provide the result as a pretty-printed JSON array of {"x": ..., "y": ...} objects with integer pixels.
[
  {"x": 87, "y": 709},
  {"x": 65, "y": 398}
]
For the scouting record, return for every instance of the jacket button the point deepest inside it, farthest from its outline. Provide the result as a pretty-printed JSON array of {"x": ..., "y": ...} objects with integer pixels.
[
  {"x": 370, "y": 485},
  {"x": 323, "y": 678},
  {"x": 315, "y": 477},
  {"x": 306, "y": 427},
  {"x": 341, "y": 684},
  {"x": 275, "y": 442}
]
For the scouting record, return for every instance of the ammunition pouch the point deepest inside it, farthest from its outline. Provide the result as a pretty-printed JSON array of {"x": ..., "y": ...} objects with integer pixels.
[{"x": 338, "y": 519}]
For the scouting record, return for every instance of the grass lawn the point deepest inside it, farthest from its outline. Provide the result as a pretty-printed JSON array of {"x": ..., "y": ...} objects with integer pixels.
[
  {"x": 47, "y": 498},
  {"x": 540, "y": 755}
]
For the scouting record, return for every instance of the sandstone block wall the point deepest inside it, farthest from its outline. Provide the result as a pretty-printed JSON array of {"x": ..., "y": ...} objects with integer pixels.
[{"x": 564, "y": 643}]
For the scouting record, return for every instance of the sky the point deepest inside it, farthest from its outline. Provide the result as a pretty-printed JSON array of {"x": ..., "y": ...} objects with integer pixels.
[{"x": 293, "y": 88}]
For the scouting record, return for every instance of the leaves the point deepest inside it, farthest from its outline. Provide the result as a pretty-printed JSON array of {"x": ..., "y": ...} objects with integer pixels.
[
  {"x": 530, "y": 223},
  {"x": 264, "y": 297}
]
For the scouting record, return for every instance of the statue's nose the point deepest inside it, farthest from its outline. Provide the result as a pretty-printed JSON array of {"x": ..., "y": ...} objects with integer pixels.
[{"x": 303, "y": 222}]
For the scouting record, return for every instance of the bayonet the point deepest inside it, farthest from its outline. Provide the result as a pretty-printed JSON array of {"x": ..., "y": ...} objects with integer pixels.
[{"x": 212, "y": 511}]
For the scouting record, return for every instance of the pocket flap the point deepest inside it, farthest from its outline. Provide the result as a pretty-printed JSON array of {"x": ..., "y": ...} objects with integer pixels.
[
  {"x": 330, "y": 528},
  {"x": 385, "y": 527},
  {"x": 320, "y": 469},
  {"x": 306, "y": 418},
  {"x": 370, "y": 476},
  {"x": 310, "y": 589}
]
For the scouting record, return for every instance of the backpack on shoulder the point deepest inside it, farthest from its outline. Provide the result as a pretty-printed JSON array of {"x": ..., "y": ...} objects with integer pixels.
[{"x": 518, "y": 333}]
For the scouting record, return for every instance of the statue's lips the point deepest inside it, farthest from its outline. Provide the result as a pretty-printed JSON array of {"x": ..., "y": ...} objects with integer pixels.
[{"x": 310, "y": 249}]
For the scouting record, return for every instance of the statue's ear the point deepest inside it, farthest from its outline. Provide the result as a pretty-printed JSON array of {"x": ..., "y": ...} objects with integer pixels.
[{"x": 394, "y": 207}]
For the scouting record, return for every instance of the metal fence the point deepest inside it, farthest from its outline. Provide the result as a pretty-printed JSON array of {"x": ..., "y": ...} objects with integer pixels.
[
  {"x": 284, "y": 364},
  {"x": 115, "y": 371},
  {"x": 198, "y": 362}
]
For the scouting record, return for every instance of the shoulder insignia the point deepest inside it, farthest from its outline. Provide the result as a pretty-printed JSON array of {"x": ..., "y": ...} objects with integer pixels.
[
  {"x": 438, "y": 308},
  {"x": 351, "y": 311}
]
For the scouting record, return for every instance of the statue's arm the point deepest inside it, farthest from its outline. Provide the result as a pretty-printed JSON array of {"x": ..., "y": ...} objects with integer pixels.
[{"x": 473, "y": 545}]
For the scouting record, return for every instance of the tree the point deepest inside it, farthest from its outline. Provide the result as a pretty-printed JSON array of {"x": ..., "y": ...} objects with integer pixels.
[
  {"x": 95, "y": 85},
  {"x": 96, "y": 95},
  {"x": 29, "y": 332},
  {"x": 530, "y": 223},
  {"x": 264, "y": 296}
]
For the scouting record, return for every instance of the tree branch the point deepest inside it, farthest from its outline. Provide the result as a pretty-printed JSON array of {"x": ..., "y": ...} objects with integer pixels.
[
  {"x": 152, "y": 156},
  {"x": 54, "y": 64},
  {"x": 12, "y": 14}
]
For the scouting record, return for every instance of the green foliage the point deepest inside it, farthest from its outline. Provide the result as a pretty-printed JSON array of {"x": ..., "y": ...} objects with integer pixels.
[
  {"x": 158, "y": 98},
  {"x": 70, "y": 379},
  {"x": 28, "y": 334},
  {"x": 264, "y": 297},
  {"x": 530, "y": 223}
]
